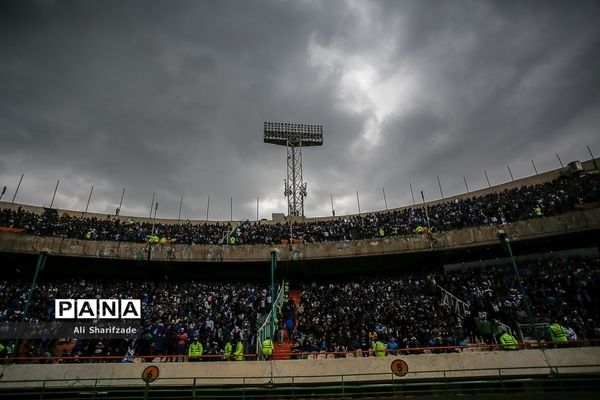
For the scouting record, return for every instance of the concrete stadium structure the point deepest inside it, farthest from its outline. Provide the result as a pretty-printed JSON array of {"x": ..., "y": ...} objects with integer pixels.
[
  {"x": 580, "y": 228},
  {"x": 586, "y": 220},
  {"x": 467, "y": 364}
]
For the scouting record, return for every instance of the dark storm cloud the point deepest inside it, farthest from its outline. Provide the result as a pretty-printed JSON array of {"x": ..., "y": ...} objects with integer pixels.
[
  {"x": 170, "y": 97},
  {"x": 498, "y": 83}
]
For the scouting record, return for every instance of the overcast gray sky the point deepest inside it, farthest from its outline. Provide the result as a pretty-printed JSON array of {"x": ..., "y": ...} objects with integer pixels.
[{"x": 170, "y": 97}]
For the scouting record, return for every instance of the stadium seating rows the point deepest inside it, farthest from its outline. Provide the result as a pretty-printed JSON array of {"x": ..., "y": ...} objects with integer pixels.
[
  {"x": 339, "y": 316},
  {"x": 551, "y": 198},
  {"x": 403, "y": 311}
]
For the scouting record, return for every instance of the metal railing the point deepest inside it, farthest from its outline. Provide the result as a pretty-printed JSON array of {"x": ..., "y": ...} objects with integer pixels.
[
  {"x": 168, "y": 358},
  {"x": 537, "y": 330},
  {"x": 228, "y": 232},
  {"x": 457, "y": 305},
  {"x": 266, "y": 330},
  {"x": 528, "y": 380},
  {"x": 461, "y": 309}
]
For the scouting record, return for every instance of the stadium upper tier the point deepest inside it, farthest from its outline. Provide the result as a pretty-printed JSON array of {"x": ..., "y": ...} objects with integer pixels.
[
  {"x": 563, "y": 194},
  {"x": 555, "y": 197}
]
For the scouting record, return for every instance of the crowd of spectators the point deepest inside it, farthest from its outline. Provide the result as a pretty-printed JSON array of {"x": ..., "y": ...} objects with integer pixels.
[
  {"x": 563, "y": 290},
  {"x": 404, "y": 310},
  {"x": 173, "y": 314},
  {"x": 342, "y": 316},
  {"x": 551, "y": 198},
  {"x": 408, "y": 311}
]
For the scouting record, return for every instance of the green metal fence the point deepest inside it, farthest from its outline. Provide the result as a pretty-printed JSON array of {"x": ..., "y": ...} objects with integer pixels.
[{"x": 268, "y": 328}]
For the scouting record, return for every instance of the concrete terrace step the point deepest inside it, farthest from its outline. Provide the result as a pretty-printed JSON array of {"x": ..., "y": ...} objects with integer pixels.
[{"x": 282, "y": 351}]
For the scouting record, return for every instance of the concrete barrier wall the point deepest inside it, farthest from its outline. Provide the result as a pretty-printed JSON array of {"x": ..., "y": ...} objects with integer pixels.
[
  {"x": 472, "y": 364},
  {"x": 576, "y": 221}
]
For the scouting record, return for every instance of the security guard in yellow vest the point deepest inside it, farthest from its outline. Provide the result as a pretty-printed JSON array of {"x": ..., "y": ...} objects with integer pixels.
[
  {"x": 508, "y": 341},
  {"x": 558, "y": 333},
  {"x": 163, "y": 240},
  {"x": 239, "y": 351},
  {"x": 381, "y": 232},
  {"x": 379, "y": 348},
  {"x": 195, "y": 350},
  {"x": 267, "y": 348},
  {"x": 419, "y": 229},
  {"x": 227, "y": 351},
  {"x": 232, "y": 240},
  {"x": 537, "y": 211}
]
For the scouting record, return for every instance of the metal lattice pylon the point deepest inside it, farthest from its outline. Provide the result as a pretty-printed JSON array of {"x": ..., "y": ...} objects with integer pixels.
[
  {"x": 294, "y": 137},
  {"x": 295, "y": 188}
]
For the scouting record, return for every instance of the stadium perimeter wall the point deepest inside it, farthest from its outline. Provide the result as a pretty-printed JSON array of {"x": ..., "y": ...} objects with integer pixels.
[
  {"x": 467, "y": 364},
  {"x": 577, "y": 221}
]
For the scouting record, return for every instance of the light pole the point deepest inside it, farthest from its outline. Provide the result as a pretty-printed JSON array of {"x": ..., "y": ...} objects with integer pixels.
[
  {"x": 151, "y": 238},
  {"x": 426, "y": 213},
  {"x": 89, "y": 198},
  {"x": 41, "y": 262},
  {"x": 120, "y": 203},
  {"x": 273, "y": 266},
  {"x": 505, "y": 240},
  {"x": 54, "y": 195}
]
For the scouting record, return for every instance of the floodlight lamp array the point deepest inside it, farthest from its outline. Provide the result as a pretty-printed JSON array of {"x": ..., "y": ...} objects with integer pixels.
[{"x": 283, "y": 133}]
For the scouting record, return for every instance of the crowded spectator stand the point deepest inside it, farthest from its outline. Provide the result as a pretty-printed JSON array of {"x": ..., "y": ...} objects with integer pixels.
[
  {"x": 562, "y": 195},
  {"x": 378, "y": 315},
  {"x": 404, "y": 313}
]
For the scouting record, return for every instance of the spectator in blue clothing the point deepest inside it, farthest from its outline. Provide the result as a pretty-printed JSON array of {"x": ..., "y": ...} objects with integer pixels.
[
  {"x": 160, "y": 340},
  {"x": 289, "y": 325},
  {"x": 392, "y": 346}
]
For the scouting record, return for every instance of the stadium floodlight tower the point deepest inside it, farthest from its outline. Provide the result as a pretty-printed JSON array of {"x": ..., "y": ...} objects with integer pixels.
[{"x": 294, "y": 137}]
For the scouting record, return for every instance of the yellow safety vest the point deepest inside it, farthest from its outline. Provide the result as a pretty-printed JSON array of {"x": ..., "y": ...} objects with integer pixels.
[
  {"x": 227, "y": 350},
  {"x": 558, "y": 333},
  {"x": 196, "y": 349},
  {"x": 508, "y": 341},
  {"x": 239, "y": 351},
  {"x": 379, "y": 349},
  {"x": 267, "y": 347}
]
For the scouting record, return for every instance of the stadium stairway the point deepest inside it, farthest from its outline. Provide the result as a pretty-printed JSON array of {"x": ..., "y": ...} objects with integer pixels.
[
  {"x": 283, "y": 351},
  {"x": 295, "y": 296}
]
